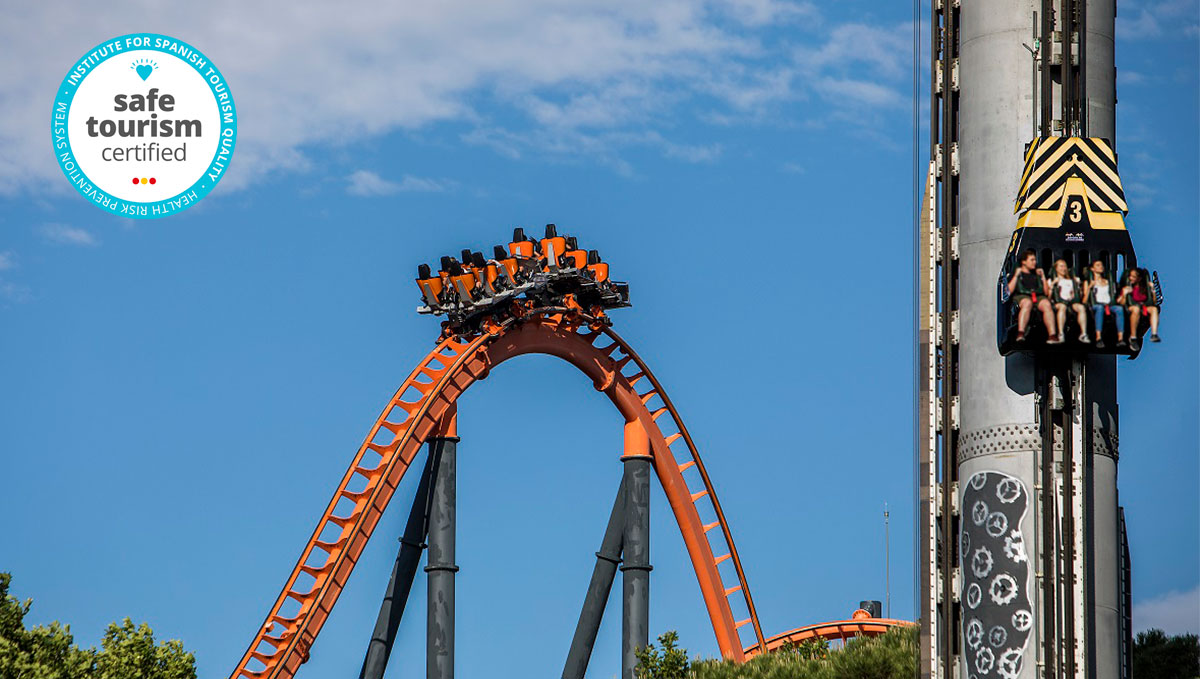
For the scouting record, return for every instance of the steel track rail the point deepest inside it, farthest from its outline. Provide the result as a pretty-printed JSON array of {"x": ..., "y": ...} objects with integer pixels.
[
  {"x": 281, "y": 655},
  {"x": 726, "y": 533},
  {"x": 282, "y": 643},
  {"x": 831, "y": 631}
]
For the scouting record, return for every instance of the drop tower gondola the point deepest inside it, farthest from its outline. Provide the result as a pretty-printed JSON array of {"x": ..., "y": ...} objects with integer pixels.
[{"x": 1071, "y": 207}]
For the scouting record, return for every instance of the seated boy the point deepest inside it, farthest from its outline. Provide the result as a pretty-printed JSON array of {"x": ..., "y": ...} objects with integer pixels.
[{"x": 1029, "y": 288}]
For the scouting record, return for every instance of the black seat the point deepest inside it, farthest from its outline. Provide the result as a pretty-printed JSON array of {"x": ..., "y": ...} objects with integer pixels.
[{"x": 1079, "y": 262}]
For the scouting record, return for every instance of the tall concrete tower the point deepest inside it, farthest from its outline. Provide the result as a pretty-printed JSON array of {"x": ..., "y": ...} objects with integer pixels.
[{"x": 1023, "y": 575}]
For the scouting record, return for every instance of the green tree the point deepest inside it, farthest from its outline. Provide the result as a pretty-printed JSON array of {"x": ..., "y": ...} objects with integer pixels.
[
  {"x": 671, "y": 662},
  {"x": 129, "y": 651},
  {"x": 809, "y": 649},
  {"x": 44, "y": 652},
  {"x": 49, "y": 651},
  {"x": 1158, "y": 656}
]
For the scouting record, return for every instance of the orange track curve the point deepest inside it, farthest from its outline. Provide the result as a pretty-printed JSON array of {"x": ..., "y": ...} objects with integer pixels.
[
  {"x": 830, "y": 631},
  {"x": 282, "y": 642}
]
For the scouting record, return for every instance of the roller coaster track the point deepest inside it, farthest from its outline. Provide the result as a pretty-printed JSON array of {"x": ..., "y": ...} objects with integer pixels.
[
  {"x": 422, "y": 405},
  {"x": 861, "y": 625}
]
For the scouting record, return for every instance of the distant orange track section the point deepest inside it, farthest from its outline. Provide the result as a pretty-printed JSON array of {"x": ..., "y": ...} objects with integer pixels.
[
  {"x": 420, "y": 406},
  {"x": 858, "y": 626}
]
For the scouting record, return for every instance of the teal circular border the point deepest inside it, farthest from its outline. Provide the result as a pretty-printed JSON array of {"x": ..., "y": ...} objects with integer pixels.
[{"x": 123, "y": 208}]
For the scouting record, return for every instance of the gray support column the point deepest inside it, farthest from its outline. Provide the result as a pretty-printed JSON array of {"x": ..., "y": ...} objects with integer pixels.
[
  {"x": 1100, "y": 435},
  {"x": 998, "y": 413},
  {"x": 635, "y": 571},
  {"x": 439, "y": 631},
  {"x": 400, "y": 584},
  {"x": 605, "y": 570},
  {"x": 1105, "y": 568}
]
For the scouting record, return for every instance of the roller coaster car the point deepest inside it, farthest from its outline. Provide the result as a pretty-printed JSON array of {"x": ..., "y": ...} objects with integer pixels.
[
  {"x": 1072, "y": 207},
  {"x": 548, "y": 272}
]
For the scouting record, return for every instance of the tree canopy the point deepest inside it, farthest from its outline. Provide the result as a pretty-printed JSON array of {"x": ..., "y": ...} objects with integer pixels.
[
  {"x": 890, "y": 656},
  {"x": 1160, "y": 656},
  {"x": 127, "y": 651}
]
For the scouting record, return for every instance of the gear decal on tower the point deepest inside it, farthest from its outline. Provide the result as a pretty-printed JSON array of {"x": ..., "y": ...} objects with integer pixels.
[{"x": 995, "y": 588}]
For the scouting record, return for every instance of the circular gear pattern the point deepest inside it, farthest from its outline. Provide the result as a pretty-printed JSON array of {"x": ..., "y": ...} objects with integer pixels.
[
  {"x": 1008, "y": 490},
  {"x": 997, "y": 524},
  {"x": 974, "y": 633},
  {"x": 1003, "y": 589},
  {"x": 985, "y": 660},
  {"x": 1010, "y": 663},
  {"x": 974, "y": 595},
  {"x": 1022, "y": 620},
  {"x": 1014, "y": 547},
  {"x": 982, "y": 562},
  {"x": 979, "y": 512}
]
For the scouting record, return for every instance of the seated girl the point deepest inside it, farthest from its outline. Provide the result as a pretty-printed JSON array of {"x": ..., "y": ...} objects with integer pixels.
[
  {"x": 1101, "y": 295},
  {"x": 1139, "y": 301},
  {"x": 1066, "y": 292}
]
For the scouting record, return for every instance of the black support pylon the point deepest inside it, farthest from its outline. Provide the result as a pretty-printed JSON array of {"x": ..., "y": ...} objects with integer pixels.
[
  {"x": 403, "y": 571},
  {"x": 635, "y": 571},
  {"x": 598, "y": 590},
  {"x": 439, "y": 631}
]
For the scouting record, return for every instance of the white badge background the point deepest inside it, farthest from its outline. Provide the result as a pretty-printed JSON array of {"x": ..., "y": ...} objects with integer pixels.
[{"x": 193, "y": 101}]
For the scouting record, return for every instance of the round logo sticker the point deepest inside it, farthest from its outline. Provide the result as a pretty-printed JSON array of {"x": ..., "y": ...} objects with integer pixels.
[{"x": 144, "y": 125}]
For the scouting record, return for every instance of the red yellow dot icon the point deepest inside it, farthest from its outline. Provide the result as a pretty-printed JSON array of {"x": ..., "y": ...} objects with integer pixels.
[{"x": 144, "y": 180}]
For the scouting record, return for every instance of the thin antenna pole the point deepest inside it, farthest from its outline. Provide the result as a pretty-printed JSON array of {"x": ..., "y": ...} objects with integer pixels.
[{"x": 887, "y": 562}]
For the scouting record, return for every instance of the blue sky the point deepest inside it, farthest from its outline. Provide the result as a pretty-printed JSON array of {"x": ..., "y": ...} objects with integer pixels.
[{"x": 181, "y": 396}]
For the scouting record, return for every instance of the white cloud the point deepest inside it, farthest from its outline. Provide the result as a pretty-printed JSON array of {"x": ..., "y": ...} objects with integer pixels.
[
  {"x": 560, "y": 74},
  {"x": 861, "y": 69},
  {"x": 1128, "y": 77},
  {"x": 367, "y": 183},
  {"x": 12, "y": 292},
  {"x": 1147, "y": 19},
  {"x": 1143, "y": 24},
  {"x": 692, "y": 154},
  {"x": 854, "y": 93},
  {"x": 64, "y": 234},
  {"x": 1173, "y": 612},
  {"x": 887, "y": 51},
  {"x": 763, "y": 12},
  {"x": 569, "y": 145}
]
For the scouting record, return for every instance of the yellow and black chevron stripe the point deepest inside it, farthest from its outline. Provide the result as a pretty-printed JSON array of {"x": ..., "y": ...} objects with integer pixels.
[{"x": 1051, "y": 161}]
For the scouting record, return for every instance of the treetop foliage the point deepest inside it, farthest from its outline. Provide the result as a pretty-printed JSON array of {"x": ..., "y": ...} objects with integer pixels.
[
  {"x": 1166, "y": 657},
  {"x": 127, "y": 651},
  {"x": 890, "y": 656}
]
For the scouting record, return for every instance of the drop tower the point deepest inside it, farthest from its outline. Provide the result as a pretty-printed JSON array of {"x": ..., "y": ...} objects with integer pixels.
[{"x": 1024, "y": 566}]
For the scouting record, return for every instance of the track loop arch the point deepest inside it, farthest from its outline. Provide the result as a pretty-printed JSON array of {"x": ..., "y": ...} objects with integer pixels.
[{"x": 282, "y": 643}]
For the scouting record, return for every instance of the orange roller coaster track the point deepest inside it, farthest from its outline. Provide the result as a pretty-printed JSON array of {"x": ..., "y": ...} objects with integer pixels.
[
  {"x": 419, "y": 408},
  {"x": 861, "y": 624}
]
